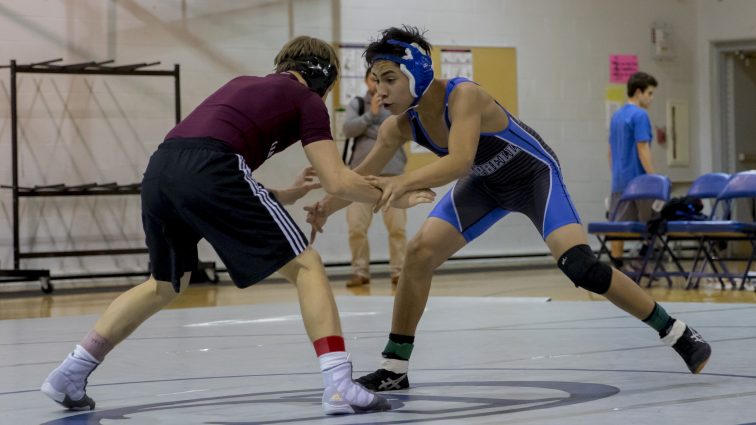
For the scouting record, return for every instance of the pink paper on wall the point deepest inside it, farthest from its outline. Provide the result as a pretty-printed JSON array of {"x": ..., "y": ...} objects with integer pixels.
[{"x": 621, "y": 67}]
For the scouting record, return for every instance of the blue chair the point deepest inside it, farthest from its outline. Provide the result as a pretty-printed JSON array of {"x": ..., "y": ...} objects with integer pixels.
[
  {"x": 708, "y": 186},
  {"x": 721, "y": 228},
  {"x": 705, "y": 187},
  {"x": 645, "y": 187}
]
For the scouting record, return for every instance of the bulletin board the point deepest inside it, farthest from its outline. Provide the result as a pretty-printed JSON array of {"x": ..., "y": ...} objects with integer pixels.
[{"x": 494, "y": 68}]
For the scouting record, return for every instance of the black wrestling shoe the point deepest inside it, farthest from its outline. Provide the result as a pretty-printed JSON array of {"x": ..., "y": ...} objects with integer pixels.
[
  {"x": 689, "y": 345},
  {"x": 384, "y": 380}
]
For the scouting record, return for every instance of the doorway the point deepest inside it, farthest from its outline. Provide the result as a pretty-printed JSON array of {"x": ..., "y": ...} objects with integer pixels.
[{"x": 735, "y": 147}]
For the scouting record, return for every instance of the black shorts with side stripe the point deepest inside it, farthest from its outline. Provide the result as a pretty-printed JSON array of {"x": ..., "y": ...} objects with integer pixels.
[{"x": 199, "y": 188}]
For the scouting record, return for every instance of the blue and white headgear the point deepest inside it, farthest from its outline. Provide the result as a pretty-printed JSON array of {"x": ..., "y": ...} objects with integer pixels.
[{"x": 415, "y": 64}]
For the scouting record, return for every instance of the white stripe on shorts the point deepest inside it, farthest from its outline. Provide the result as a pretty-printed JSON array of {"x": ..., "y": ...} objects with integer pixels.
[{"x": 288, "y": 228}]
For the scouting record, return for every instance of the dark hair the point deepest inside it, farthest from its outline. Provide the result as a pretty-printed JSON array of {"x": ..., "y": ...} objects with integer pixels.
[
  {"x": 406, "y": 34},
  {"x": 368, "y": 70},
  {"x": 640, "y": 80}
]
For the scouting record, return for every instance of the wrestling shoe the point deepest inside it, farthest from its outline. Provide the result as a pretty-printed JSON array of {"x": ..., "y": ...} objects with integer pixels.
[
  {"x": 689, "y": 345},
  {"x": 342, "y": 396},
  {"x": 67, "y": 384},
  {"x": 384, "y": 380}
]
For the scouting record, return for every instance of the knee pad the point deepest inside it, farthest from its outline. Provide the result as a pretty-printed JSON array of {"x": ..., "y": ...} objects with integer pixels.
[{"x": 580, "y": 264}]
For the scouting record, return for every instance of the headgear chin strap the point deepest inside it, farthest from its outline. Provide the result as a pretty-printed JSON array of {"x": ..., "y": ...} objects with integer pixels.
[
  {"x": 317, "y": 72},
  {"x": 415, "y": 64}
]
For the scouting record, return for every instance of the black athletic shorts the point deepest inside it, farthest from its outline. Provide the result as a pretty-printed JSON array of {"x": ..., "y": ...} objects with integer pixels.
[{"x": 199, "y": 188}]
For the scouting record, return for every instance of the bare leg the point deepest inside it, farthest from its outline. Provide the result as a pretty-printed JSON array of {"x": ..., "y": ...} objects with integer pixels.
[
  {"x": 67, "y": 383},
  {"x": 623, "y": 292},
  {"x": 319, "y": 311},
  {"x": 436, "y": 241},
  {"x": 395, "y": 220},
  {"x": 321, "y": 320},
  {"x": 136, "y": 305},
  {"x": 433, "y": 244}
]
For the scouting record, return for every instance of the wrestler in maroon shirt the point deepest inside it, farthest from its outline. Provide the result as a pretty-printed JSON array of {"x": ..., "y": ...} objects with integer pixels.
[{"x": 199, "y": 184}]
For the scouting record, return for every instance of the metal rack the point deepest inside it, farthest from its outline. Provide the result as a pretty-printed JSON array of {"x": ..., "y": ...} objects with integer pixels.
[{"x": 61, "y": 190}]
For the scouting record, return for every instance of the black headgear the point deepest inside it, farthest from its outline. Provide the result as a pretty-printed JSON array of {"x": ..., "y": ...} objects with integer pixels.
[{"x": 317, "y": 72}]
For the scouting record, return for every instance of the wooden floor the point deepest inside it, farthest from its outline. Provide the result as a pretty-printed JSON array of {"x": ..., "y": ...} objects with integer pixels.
[{"x": 472, "y": 281}]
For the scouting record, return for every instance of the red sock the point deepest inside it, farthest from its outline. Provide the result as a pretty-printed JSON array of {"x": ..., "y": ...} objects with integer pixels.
[{"x": 329, "y": 344}]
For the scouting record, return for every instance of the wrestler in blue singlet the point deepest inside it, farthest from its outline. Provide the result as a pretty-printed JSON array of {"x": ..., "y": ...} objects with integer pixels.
[{"x": 514, "y": 170}]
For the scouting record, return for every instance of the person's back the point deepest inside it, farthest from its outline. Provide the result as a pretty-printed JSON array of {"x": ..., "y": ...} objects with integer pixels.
[{"x": 259, "y": 116}]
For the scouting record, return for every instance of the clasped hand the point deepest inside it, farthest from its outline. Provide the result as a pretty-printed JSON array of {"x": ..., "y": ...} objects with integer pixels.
[
  {"x": 392, "y": 188},
  {"x": 317, "y": 214}
]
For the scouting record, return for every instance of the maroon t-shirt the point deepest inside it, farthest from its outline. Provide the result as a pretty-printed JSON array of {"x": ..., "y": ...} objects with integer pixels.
[{"x": 259, "y": 116}]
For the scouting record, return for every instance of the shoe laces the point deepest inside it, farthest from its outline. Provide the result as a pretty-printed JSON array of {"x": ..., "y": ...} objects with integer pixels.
[
  {"x": 696, "y": 337},
  {"x": 689, "y": 343}
]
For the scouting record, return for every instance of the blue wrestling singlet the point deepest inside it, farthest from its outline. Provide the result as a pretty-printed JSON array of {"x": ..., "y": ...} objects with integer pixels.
[{"x": 514, "y": 170}]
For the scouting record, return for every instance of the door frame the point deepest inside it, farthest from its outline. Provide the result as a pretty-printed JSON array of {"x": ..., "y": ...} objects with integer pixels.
[{"x": 724, "y": 157}]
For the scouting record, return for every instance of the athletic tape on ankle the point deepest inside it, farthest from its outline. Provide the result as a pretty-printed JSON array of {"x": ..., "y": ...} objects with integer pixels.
[
  {"x": 396, "y": 366},
  {"x": 678, "y": 329},
  {"x": 403, "y": 351}
]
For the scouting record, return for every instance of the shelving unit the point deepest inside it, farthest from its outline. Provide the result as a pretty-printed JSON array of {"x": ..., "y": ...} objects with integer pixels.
[{"x": 63, "y": 190}]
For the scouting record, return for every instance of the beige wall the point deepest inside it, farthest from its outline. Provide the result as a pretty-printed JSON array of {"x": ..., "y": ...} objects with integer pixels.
[{"x": 562, "y": 67}]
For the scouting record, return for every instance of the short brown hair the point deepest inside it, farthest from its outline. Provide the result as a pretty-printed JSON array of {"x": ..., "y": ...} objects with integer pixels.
[{"x": 298, "y": 47}]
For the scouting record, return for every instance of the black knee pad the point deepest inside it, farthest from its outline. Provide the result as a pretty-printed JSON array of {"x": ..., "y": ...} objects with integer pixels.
[{"x": 580, "y": 264}]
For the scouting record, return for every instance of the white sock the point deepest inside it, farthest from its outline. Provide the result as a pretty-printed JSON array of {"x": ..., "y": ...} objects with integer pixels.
[
  {"x": 334, "y": 358},
  {"x": 83, "y": 354}
]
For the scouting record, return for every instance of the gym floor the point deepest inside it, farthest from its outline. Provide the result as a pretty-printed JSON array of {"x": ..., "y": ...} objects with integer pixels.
[{"x": 515, "y": 346}]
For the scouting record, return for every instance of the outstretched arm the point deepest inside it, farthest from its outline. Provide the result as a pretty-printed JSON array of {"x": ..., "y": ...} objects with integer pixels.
[
  {"x": 389, "y": 140},
  {"x": 303, "y": 184},
  {"x": 335, "y": 177},
  {"x": 465, "y": 107},
  {"x": 338, "y": 180}
]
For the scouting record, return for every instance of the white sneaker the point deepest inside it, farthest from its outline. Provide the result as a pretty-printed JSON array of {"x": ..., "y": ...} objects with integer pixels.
[
  {"x": 67, "y": 384},
  {"x": 342, "y": 396}
]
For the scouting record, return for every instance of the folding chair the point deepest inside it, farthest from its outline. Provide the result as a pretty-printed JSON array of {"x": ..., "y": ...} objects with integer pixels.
[
  {"x": 707, "y": 186},
  {"x": 645, "y": 187},
  {"x": 741, "y": 186}
]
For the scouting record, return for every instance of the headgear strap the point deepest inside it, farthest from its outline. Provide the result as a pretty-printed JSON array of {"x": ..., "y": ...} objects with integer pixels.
[{"x": 317, "y": 72}]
